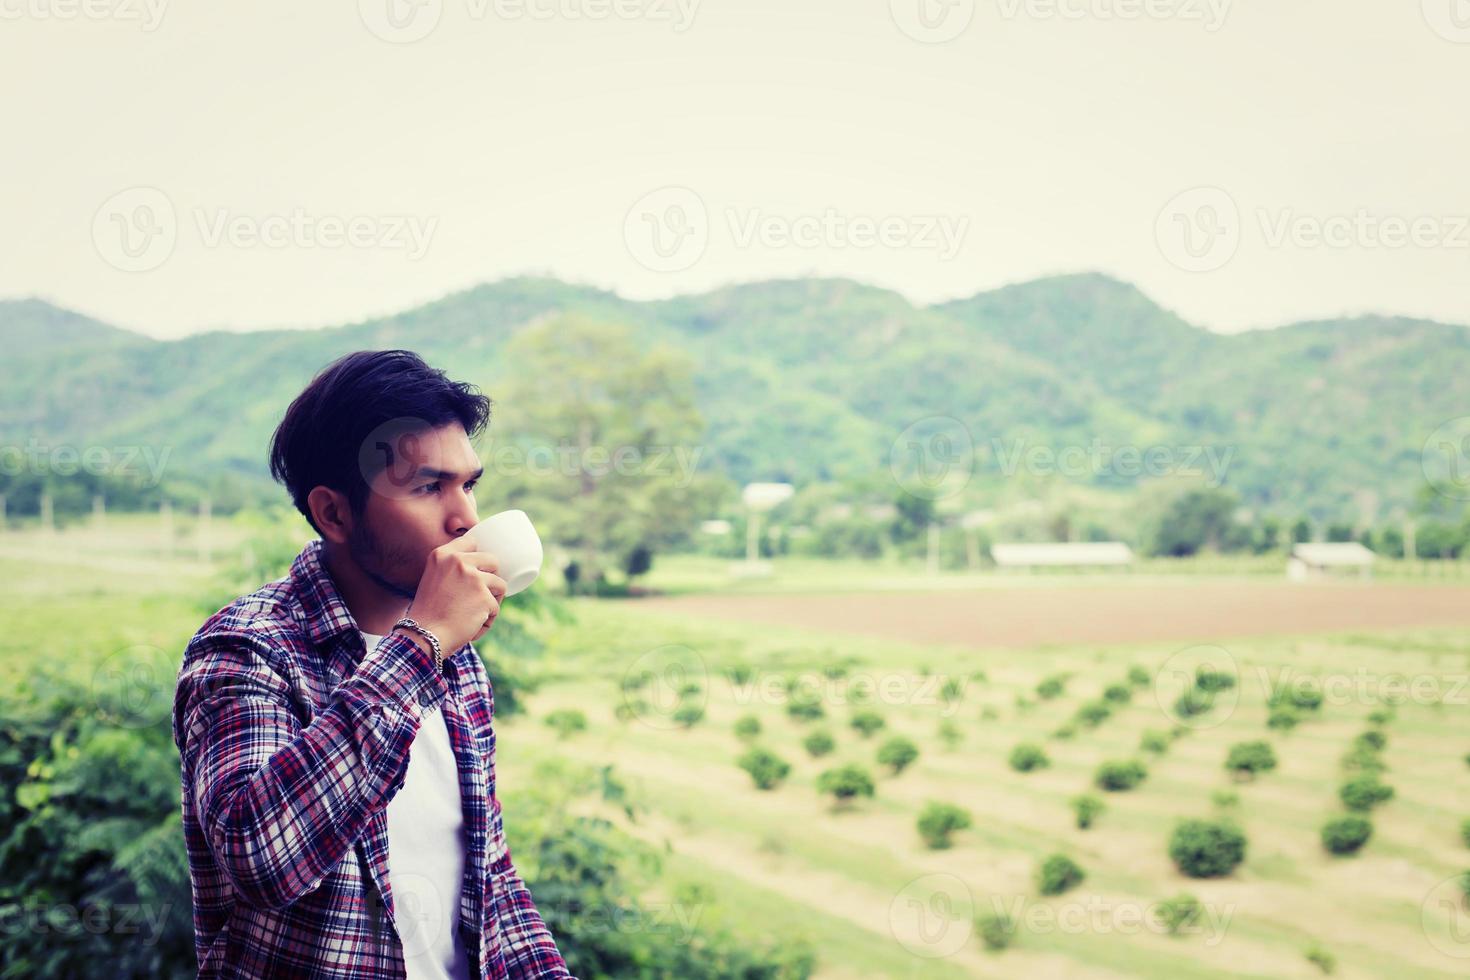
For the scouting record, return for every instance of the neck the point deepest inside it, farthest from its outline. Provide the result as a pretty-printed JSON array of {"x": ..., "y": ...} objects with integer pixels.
[{"x": 374, "y": 608}]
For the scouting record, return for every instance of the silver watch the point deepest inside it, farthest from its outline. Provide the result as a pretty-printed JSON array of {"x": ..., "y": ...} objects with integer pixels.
[{"x": 408, "y": 623}]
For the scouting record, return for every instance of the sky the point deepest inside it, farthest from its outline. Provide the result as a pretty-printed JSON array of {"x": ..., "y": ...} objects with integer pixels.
[{"x": 173, "y": 167}]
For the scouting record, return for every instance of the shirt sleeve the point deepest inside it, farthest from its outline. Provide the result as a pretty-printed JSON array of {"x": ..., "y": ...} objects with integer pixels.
[{"x": 281, "y": 803}]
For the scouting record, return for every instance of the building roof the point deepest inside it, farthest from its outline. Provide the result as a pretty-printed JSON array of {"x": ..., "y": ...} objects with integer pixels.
[
  {"x": 1066, "y": 553},
  {"x": 1333, "y": 553}
]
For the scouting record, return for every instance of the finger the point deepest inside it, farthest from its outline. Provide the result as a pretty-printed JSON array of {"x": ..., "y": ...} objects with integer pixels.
[{"x": 496, "y": 585}]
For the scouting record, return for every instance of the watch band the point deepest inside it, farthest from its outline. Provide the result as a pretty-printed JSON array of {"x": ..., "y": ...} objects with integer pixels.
[{"x": 408, "y": 623}]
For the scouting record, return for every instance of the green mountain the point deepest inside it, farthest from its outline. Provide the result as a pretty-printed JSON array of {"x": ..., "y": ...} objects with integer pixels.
[{"x": 812, "y": 380}]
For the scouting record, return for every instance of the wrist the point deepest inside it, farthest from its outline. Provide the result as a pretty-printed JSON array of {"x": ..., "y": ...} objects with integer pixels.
[{"x": 426, "y": 637}]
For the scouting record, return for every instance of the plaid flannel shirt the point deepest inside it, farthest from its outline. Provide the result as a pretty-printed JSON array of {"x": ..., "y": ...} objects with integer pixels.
[{"x": 293, "y": 738}]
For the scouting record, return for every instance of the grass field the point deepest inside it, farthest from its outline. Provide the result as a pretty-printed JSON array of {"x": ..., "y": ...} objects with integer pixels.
[
  {"x": 857, "y": 882},
  {"x": 878, "y": 903}
]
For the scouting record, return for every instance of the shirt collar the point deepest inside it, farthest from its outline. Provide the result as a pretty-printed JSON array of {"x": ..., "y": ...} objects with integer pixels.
[{"x": 327, "y": 616}]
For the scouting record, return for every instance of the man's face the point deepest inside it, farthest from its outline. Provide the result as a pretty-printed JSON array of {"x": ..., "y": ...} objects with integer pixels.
[{"x": 424, "y": 499}]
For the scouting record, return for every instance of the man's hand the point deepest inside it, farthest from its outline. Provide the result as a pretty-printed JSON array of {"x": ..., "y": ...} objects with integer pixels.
[{"x": 459, "y": 594}]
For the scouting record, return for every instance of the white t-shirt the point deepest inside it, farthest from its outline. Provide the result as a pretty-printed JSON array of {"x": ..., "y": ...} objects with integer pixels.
[{"x": 426, "y": 853}]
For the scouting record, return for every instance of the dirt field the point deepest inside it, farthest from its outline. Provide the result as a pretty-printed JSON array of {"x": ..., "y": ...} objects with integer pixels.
[{"x": 1009, "y": 618}]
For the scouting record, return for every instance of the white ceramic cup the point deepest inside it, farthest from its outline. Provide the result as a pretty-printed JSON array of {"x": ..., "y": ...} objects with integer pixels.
[{"x": 511, "y": 538}]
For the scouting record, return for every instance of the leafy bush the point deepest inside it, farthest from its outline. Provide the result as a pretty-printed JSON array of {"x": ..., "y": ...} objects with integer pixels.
[
  {"x": 1118, "y": 776},
  {"x": 1346, "y": 835},
  {"x": 950, "y": 733},
  {"x": 867, "y": 722},
  {"x": 939, "y": 821},
  {"x": 566, "y": 722},
  {"x": 1139, "y": 677},
  {"x": 1051, "y": 687},
  {"x": 1225, "y": 799},
  {"x": 747, "y": 727},
  {"x": 1180, "y": 911},
  {"x": 1283, "y": 718},
  {"x": 1093, "y": 713},
  {"x": 997, "y": 930},
  {"x": 1154, "y": 741},
  {"x": 1372, "y": 740},
  {"x": 845, "y": 783},
  {"x": 1207, "y": 848},
  {"x": 897, "y": 753},
  {"x": 1303, "y": 698},
  {"x": 1465, "y": 832},
  {"x": 1213, "y": 681},
  {"x": 1028, "y": 757},
  {"x": 766, "y": 768},
  {"x": 1193, "y": 702},
  {"x": 1118, "y": 693},
  {"x": 1320, "y": 958},
  {"x": 688, "y": 715},
  {"x": 818, "y": 744},
  {"x": 807, "y": 707},
  {"x": 1057, "y": 874},
  {"x": 1065, "y": 732},
  {"x": 1087, "y": 808},
  {"x": 1248, "y": 759},
  {"x": 1381, "y": 716},
  {"x": 1363, "y": 793},
  {"x": 1361, "y": 759}
]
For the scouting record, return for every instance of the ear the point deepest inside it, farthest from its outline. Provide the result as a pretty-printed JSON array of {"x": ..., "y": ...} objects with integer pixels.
[{"x": 330, "y": 510}]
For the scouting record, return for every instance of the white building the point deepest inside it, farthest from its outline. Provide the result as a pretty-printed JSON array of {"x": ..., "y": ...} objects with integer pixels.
[
  {"x": 1314, "y": 560},
  {"x": 1072, "y": 554}
]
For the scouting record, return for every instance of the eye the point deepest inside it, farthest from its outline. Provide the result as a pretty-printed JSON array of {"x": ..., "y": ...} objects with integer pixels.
[
  {"x": 429, "y": 486},
  {"x": 471, "y": 484}
]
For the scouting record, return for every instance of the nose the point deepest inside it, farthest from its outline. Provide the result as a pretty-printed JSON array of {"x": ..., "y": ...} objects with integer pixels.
[{"x": 462, "y": 517}]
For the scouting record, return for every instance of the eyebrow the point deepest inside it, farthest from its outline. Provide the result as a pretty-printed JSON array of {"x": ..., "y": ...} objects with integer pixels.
[{"x": 428, "y": 472}]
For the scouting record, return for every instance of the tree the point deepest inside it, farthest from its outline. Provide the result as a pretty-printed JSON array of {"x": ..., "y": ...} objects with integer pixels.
[
  {"x": 1364, "y": 792},
  {"x": 818, "y": 744},
  {"x": 867, "y": 722},
  {"x": 566, "y": 722},
  {"x": 765, "y": 767},
  {"x": 1057, "y": 874},
  {"x": 1195, "y": 520},
  {"x": 1087, "y": 807},
  {"x": 1027, "y": 757},
  {"x": 939, "y": 821},
  {"x": 1247, "y": 759},
  {"x": 601, "y": 435},
  {"x": 845, "y": 783},
  {"x": 1117, "y": 776},
  {"x": 1207, "y": 848},
  {"x": 1346, "y": 835},
  {"x": 897, "y": 753},
  {"x": 747, "y": 727}
]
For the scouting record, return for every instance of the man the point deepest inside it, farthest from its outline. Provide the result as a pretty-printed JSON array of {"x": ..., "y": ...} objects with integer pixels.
[{"x": 338, "y": 771}]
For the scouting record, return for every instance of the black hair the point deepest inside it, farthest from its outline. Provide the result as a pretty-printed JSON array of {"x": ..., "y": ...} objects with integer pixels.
[{"x": 321, "y": 437}]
